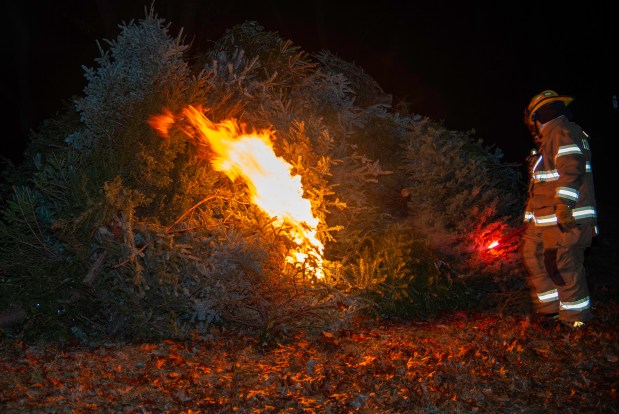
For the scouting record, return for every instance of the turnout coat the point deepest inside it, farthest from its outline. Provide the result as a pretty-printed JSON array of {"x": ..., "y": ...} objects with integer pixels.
[{"x": 561, "y": 173}]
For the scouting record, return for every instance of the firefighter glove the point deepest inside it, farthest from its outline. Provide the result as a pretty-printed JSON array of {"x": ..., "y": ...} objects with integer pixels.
[{"x": 565, "y": 219}]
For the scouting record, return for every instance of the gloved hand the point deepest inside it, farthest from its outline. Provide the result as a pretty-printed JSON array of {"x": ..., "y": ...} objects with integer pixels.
[{"x": 565, "y": 219}]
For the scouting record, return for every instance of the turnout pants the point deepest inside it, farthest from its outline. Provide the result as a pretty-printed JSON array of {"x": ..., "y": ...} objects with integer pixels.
[{"x": 556, "y": 274}]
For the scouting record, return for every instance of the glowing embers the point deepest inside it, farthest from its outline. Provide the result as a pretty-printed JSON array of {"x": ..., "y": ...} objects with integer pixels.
[{"x": 269, "y": 180}]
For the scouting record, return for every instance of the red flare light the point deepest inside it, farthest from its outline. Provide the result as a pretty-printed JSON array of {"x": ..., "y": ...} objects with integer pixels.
[
  {"x": 514, "y": 233},
  {"x": 493, "y": 244}
]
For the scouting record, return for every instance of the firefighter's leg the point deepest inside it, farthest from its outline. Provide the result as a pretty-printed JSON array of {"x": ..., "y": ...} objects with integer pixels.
[
  {"x": 544, "y": 293},
  {"x": 574, "y": 295}
]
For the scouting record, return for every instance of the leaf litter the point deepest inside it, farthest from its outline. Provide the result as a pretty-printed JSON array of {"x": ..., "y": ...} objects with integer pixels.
[
  {"x": 466, "y": 362},
  {"x": 477, "y": 362}
]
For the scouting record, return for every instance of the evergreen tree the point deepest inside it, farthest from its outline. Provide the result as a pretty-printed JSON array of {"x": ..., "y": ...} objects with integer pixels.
[{"x": 112, "y": 231}]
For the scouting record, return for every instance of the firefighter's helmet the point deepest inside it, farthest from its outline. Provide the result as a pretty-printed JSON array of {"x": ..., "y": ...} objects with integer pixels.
[{"x": 540, "y": 100}]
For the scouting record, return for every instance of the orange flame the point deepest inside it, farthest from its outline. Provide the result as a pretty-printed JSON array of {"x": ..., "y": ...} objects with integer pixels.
[
  {"x": 268, "y": 177},
  {"x": 162, "y": 123}
]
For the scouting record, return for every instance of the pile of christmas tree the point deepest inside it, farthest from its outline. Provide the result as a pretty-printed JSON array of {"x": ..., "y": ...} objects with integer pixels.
[{"x": 109, "y": 230}]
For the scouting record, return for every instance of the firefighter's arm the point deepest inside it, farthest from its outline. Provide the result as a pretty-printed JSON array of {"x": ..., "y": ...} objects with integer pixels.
[
  {"x": 570, "y": 163},
  {"x": 571, "y": 166}
]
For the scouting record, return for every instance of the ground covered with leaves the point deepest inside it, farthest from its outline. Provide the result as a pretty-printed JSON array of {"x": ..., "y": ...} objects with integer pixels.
[
  {"x": 489, "y": 361},
  {"x": 482, "y": 362}
]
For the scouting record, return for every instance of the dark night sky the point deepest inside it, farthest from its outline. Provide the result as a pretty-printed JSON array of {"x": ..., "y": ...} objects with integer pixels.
[{"x": 473, "y": 67}]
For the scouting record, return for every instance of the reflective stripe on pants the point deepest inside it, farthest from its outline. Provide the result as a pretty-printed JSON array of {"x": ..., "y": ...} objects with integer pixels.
[{"x": 570, "y": 295}]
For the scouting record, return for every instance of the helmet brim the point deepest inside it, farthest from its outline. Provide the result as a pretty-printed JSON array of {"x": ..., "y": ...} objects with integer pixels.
[{"x": 565, "y": 99}]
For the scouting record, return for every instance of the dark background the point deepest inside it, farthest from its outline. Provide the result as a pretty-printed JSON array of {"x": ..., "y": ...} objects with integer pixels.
[{"x": 473, "y": 66}]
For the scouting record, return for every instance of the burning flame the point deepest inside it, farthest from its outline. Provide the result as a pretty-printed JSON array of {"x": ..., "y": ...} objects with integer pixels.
[{"x": 271, "y": 185}]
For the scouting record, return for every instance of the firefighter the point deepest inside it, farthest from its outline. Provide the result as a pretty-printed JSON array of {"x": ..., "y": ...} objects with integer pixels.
[{"x": 560, "y": 212}]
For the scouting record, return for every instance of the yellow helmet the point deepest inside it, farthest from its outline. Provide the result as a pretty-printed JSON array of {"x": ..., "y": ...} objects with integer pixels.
[
  {"x": 540, "y": 100},
  {"x": 546, "y": 97}
]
